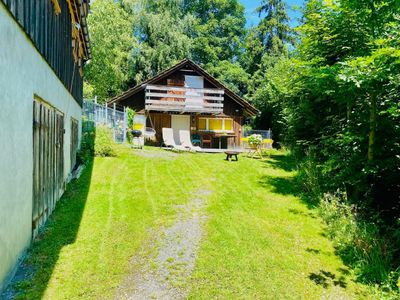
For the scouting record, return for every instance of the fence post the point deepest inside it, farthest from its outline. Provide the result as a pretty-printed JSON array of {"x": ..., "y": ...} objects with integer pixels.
[
  {"x": 125, "y": 124},
  {"x": 105, "y": 107},
  {"x": 113, "y": 122},
  {"x": 114, "y": 116},
  {"x": 96, "y": 115}
]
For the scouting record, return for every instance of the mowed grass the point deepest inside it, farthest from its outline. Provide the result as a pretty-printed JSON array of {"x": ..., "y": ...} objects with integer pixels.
[{"x": 261, "y": 241}]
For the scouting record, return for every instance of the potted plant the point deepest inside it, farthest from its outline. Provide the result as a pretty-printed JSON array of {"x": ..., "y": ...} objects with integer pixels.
[{"x": 255, "y": 140}]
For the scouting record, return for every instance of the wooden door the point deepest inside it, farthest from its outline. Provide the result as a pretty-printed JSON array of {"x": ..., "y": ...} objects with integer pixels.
[
  {"x": 179, "y": 122},
  {"x": 48, "y": 161},
  {"x": 158, "y": 121}
]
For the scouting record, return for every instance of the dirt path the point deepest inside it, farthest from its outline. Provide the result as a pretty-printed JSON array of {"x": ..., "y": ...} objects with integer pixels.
[{"x": 161, "y": 270}]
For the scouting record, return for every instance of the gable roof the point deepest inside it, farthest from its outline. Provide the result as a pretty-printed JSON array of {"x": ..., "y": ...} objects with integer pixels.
[{"x": 250, "y": 109}]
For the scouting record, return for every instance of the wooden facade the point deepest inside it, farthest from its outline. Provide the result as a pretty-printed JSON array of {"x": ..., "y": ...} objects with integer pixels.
[
  {"x": 50, "y": 29},
  {"x": 214, "y": 110}
]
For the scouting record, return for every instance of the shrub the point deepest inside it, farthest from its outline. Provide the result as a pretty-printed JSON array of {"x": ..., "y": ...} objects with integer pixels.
[
  {"x": 131, "y": 114},
  {"x": 359, "y": 242},
  {"x": 310, "y": 177},
  {"x": 104, "y": 144},
  {"x": 86, "y": 150}
]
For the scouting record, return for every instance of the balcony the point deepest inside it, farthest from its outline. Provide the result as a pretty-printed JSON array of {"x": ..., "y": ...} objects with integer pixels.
[{"x": 184, "y": 100}]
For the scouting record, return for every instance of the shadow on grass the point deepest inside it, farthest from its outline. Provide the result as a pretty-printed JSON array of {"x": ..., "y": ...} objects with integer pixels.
[
  {"x": 34, "y": 273},
  {"x": 60, "y": 230},
  {"x": 281, "y": 185},
  {"x": 288, "y": 185},
  {"x": 327, "y": 279},
  {"x": 281, "y": 161}
]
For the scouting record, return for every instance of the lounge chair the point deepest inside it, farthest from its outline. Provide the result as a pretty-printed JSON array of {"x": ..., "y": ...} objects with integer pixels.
[
  {"x": 184, "y": 136},
  {"x": 169, "y": 142}
]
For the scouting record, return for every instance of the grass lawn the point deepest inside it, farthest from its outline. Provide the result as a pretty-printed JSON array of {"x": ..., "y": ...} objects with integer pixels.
[{"x": 261, "y": 241}]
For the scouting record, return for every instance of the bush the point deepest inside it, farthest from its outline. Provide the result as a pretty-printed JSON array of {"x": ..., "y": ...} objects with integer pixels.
[
  {"x": 360, "y": 243},
  {"x": 310, "y": 177},
  {"x": 104, "y": 144},
  {"x": 86, "y": 150}
]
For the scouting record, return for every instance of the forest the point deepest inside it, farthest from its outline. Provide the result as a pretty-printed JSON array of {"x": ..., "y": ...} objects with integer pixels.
[{"x": 329, "y": 89}]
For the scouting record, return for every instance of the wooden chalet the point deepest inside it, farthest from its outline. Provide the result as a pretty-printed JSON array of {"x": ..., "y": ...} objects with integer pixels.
[{"x": 187, "y": 97}]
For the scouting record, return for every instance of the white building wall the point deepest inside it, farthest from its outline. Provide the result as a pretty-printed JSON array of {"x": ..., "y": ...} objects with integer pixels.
[{"x": 23, "y": 74}]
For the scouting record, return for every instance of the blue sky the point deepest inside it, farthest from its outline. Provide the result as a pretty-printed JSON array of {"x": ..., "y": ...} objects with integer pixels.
[{"x": 252, "y": 16}]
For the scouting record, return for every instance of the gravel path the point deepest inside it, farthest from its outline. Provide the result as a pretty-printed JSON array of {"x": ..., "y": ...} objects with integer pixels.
[{"x": 164, "y": 274}]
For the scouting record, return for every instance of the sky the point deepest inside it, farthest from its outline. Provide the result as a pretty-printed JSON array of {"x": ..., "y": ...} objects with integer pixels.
[{"x": 252, "y": 16}]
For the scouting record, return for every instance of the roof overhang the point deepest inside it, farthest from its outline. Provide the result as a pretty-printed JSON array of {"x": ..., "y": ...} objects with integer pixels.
[{"x": 80, "y": 10}]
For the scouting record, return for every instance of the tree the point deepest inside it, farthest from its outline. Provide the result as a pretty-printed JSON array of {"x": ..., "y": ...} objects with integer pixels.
[
  {"x": 163, "y": 33},
  {"x": 274, "y": 28},
  {"x": 232, "y": 75},
  {"x": 219, "y": 31},
  {"x": 345, "y": 106},
  {"x": 112, "y": 42},
  {"x": 266, "y": 45},
  {"x": 270, "y": 37}
]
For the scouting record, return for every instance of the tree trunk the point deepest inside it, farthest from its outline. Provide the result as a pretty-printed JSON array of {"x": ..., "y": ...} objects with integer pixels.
[{"x": 372, "y": 128}]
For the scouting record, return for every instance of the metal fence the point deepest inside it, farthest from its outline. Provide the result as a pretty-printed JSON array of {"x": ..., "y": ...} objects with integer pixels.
[
  {"x": 266, "y": 134},
  {"x": 114, "y": 118}
]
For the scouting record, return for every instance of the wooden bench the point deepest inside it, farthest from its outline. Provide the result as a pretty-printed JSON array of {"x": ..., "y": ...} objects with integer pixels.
[{"x": 230, "y": 154}]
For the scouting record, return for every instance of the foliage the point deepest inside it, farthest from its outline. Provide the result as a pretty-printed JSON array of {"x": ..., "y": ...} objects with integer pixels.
[
  {"x": 133, "y": 40},
  {"x": 163, "y": 32},
  {"x": 359, "y": 243},
  {"x": 131, "y": 114},
  {"x": 219, "y": 31},
  {"x": 335, "y": 102},
  {"x": 255, "y": 139},
  {"x": 104, "y": 144},
  {"x": 266, "y": 46},
  {"x": 232, "y": 75},
  {"x": 86, "y": 150},
  {"x": 270, "y": 37},
  {"x": 112, "y": 41},
  {"x": 270, "y": 88}
]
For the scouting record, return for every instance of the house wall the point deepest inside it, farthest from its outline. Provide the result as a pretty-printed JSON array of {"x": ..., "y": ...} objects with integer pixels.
[
  {"x": 52, "y": 35},
  {"x": 23, "y": 74}
]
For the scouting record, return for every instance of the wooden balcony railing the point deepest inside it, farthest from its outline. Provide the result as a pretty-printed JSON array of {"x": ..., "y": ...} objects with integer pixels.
[{"x": 181, "y": 99}]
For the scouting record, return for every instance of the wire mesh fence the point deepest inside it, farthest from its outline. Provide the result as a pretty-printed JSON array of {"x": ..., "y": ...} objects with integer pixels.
[{"x": 114, "y": 118}]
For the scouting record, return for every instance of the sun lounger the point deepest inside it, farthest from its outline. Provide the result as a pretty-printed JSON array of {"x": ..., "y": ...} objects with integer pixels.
[
  {"x": 169, "y": 142},
  {"x": 184, "y": 136}
]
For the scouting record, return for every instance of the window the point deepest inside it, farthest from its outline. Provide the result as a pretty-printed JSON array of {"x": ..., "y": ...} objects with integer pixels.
[
  {"x": 228, "y": 124},
  {"x": 202, "y": 124},
  {"x": 215, "y": 124}
]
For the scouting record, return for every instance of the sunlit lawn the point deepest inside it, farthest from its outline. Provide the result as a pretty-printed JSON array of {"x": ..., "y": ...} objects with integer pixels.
[{"x": 261, "y": 241}]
